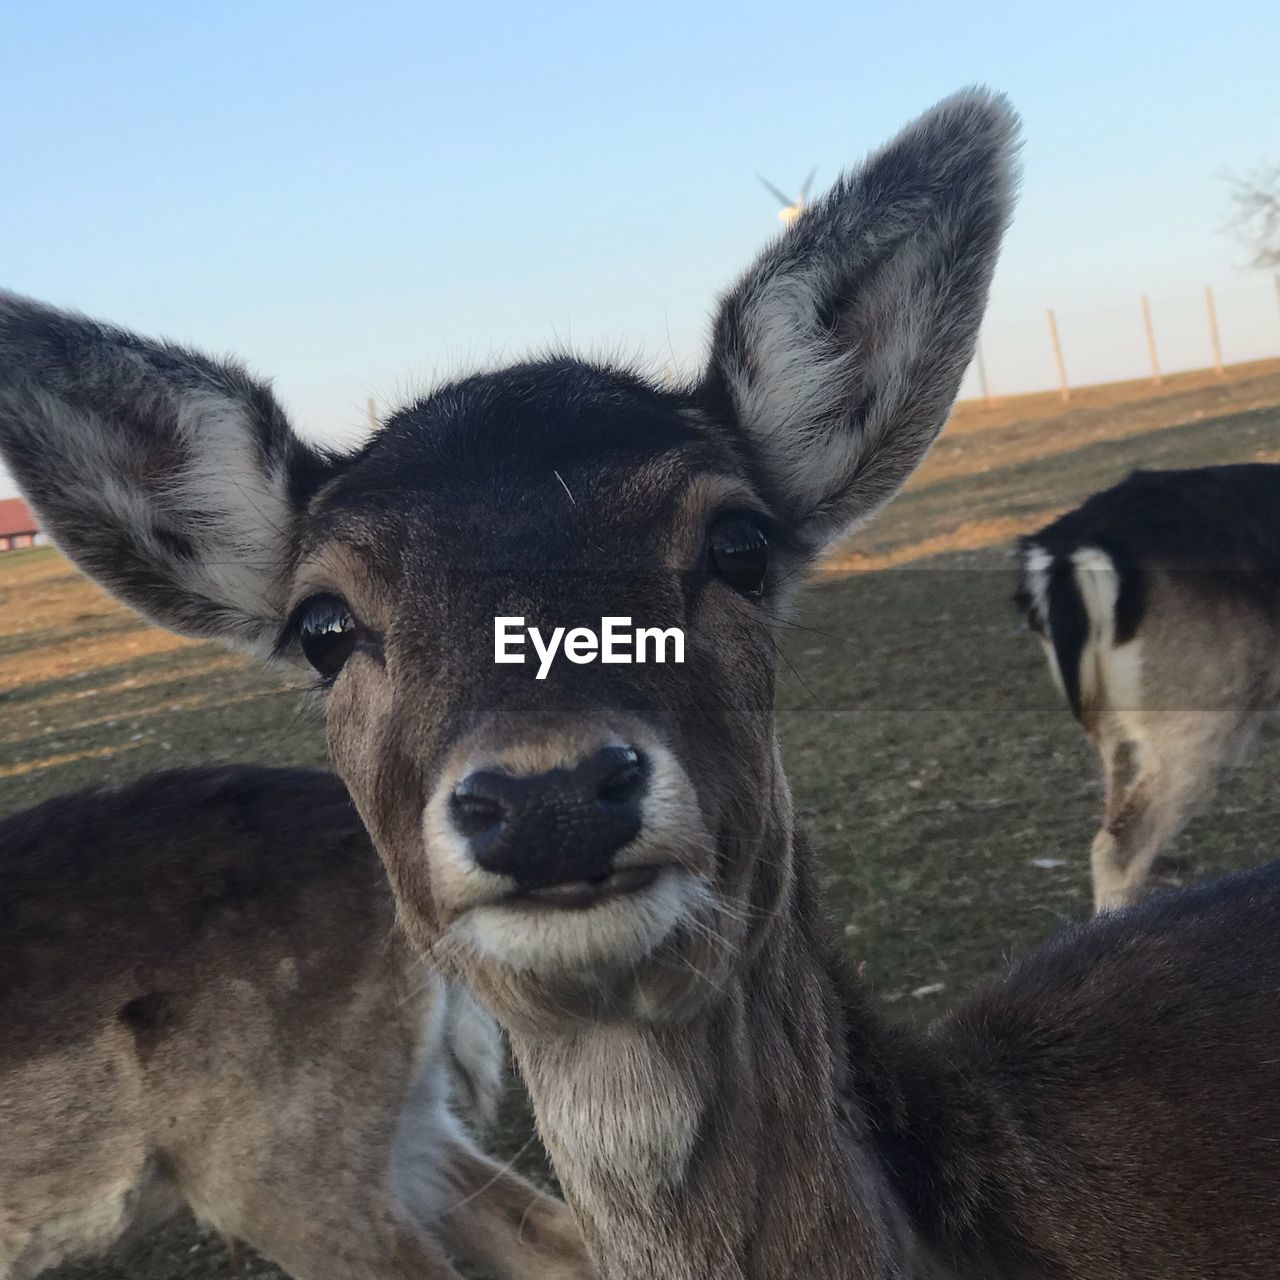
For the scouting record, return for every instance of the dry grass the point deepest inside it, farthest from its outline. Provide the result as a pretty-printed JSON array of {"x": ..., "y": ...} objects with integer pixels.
[
  {"x": 970, "y": 535},
  {"x": 1114, "y": 398},
  {"x": 975, "y": 442}
]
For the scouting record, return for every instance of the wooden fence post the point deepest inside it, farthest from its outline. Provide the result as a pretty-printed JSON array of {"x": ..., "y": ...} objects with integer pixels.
[
  {"x": 1213, "y": 332},
  {"x": 1057, "y": 355},
  {"x": 1156, "y": 377},
  {"x": 982, "y": 373}
]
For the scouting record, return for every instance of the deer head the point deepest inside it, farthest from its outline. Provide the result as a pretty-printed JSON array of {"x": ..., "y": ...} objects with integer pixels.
[{"x": 606, "y": 840}]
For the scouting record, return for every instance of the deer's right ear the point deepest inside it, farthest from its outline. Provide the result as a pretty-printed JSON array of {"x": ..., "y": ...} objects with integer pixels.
[
  {"x": 173, "y": 479},
  {"x": 836, "y": 357}
]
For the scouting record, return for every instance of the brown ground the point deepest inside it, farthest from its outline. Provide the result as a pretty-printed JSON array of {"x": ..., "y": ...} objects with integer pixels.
[
  {"x": 933, "y": 763},
  {"x": 1027, "y": 429},
  {"x": 1113, "y": 397},
  {"x": 1023, "y": 428}
]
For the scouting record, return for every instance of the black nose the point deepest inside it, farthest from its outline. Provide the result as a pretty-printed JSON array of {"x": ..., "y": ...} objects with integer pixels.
[{"x": 555, "y": 827}]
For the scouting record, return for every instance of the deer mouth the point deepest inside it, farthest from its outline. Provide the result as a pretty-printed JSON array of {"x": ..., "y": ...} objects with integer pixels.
[
  {"x": 577, "y": 895},
  {"x": 587, "y": 926}
]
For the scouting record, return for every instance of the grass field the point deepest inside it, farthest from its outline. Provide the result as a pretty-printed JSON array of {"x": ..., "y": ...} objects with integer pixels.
[{"x": 933, "y": 763}]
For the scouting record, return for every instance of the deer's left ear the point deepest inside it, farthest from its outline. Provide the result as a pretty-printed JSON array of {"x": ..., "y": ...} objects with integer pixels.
[
  {"x": 172, "y": 478},
  {"x": 837, "y": 356}
]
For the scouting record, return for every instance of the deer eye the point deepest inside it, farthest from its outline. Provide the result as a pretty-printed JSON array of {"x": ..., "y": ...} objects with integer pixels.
[
  {"x": 327, "y": 632},
  {"x": 738, "y": 548}
]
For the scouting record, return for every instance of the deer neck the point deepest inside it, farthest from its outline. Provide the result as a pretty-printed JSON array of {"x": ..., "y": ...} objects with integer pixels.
[{"x": 726, "y": 1146}]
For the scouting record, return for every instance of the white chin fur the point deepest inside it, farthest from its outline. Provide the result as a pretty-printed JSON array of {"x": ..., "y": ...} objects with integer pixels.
[{"x": 620, "y": 930}]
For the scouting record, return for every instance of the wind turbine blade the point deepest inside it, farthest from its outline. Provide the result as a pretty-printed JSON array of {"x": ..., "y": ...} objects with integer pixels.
[
  {"x": 785, "y": 201},
  {"x": 808, "y": 182}
]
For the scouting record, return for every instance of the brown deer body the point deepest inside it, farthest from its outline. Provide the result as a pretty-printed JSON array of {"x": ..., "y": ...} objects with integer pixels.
[
  {"x": 607, "y": 856},
  {"x": 206, "y": 1004},
  {"x": 1158, "y": 603}
]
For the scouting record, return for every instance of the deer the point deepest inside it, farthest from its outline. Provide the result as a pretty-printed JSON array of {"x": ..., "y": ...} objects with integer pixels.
[
  {"x": 207, "y": 1005},
  {"x": 608, "y": 858},
  {"x": 1157, "y": 602}
]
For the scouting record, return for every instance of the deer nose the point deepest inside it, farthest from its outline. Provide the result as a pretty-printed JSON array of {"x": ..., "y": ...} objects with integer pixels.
[{"x": 553, "y": 828}]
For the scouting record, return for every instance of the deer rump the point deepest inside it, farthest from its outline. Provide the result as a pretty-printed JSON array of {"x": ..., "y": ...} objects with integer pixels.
[
  {"x": 1158, "y": 606},
  {"x": 1087, "y": 579}
]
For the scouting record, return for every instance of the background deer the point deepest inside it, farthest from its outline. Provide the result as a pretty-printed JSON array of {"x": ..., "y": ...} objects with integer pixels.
[
  {"x": 608, "y": 857},
  {"x": 205, "y": 1003},
  {"x": 1158, "y": 604}
]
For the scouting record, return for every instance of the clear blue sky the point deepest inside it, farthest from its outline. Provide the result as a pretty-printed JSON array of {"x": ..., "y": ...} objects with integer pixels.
[{"x": 361, "y": 198}]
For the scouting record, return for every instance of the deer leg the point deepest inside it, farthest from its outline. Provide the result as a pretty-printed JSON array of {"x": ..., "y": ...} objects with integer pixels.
[
  {"x": 238, "y": 1258},
  {"x": 339, "y": 1241},
  {"x": 504, "y": 1223},
  {"x": 317, "y": 1221},
  {"x": 1119, "y": 848},
  {"x": 1126, "y": 845},
  {"x": 1158, "y": 775},
  {"x": 340, "y": 1223}
]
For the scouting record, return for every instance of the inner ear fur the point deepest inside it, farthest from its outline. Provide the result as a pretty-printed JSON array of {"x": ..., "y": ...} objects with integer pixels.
[
  {"x": 837, "y": 356},
  {"x": 172, "y": 478}
]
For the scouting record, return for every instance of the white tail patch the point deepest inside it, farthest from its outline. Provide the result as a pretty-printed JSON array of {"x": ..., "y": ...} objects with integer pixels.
[
  {"x": 1110, "y": 674},
  {"x": 1037, "y": 564}
]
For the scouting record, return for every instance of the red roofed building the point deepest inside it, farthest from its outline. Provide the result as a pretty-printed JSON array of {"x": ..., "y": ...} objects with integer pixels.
[{"x": 18, "y": 526}]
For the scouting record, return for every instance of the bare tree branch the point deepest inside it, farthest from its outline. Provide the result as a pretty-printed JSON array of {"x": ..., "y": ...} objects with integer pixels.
[{"x": 1255, "y": 215}]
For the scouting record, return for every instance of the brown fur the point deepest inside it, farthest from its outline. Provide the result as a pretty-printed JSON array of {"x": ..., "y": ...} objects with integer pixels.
[
  {"x": 205, "y": 1003},
  {"x": 1158, "y": 602}
]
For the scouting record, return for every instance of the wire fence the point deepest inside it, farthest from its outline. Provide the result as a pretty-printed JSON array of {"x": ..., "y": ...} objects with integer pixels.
[{"x": 1150, "y": 336}]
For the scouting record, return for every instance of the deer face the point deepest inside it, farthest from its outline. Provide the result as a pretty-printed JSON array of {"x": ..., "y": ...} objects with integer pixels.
[
  {"x": 587, "y": 823},
  {"x": 576, "y": 837}
]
